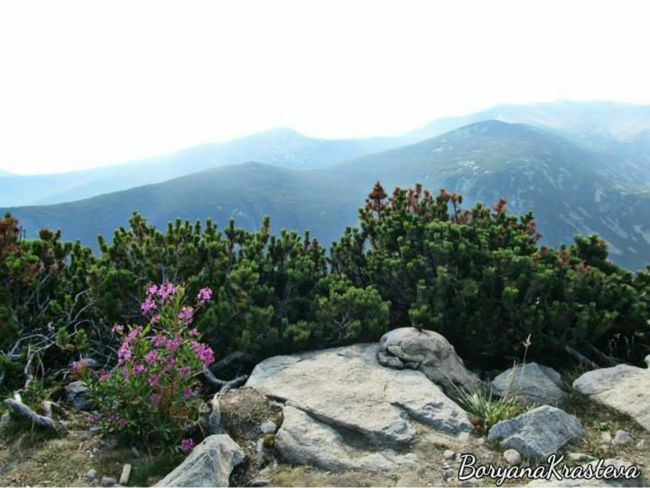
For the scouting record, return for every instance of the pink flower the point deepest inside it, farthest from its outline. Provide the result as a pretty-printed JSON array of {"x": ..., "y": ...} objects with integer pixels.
[
  {"x": 151, "y": 357},
  {"x": 155, "y": 398},
  {"x": 133, "y": 333},
  {"x": 172, "y": 345},
  {"x": 79, "y": 366},
  {"x": 138, "y": 369},
  {"x": 186, "y": 314},
  {"x": 121, "y": 423},
  {"x": 187, "y": 445},
  {"x": 204, "y": 352},
  {"x": 152, "y": 290},
  {"x": 187, "y": 394},
  {"x": 204, "y": 296},
  {"x": 170, "y": 364},
  {"x": 194, "y": 333},
  {"x": 166, "y": 291},
  {"x": 147, "y": 306},
  {"x": 159, "y": 341},
  {"x": 124, "y": 353},
  {"x": 94, "y": 419},
  {"x": 184, "y": 371},
  {"x": 125, "y": 374},
  {"x": 117, "y": 329},
  {"x": 154, "y": 381},
  {"x": 104, "y": 376}
]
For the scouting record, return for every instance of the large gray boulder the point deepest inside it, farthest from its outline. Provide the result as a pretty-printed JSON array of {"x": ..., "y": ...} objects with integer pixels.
[
  {"x": 431, "y": 353},
  {"x": 531, "y": 383},
  {"x": 537, "y": 433},
  {"x": 625, "y": 388},
  {"x": 209, "y": 464},
  {"x": 347, "y": 389},
  {"x": 304, "y": 440}
]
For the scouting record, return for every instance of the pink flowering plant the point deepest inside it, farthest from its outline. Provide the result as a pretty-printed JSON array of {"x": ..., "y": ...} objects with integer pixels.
[{"x": 151, "y": 395}]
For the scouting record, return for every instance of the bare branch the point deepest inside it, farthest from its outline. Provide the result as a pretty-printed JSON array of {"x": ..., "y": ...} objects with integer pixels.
[
  {"x": 36, "y": 419},
  {"x": 222, "y": 385},
  {"x": 580, "y": 358}
]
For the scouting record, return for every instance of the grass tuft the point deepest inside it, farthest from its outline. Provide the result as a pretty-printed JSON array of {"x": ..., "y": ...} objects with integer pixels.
[{"x": 486, "y": 409}]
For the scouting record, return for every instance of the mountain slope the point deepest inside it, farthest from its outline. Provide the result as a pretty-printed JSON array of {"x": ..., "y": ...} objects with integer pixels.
[
  {"x": 619, "y": 132},
  {"x": 247, "y": 192},
  {"x": 282, "y": 147},
  {"x": 532, "y": 168}
]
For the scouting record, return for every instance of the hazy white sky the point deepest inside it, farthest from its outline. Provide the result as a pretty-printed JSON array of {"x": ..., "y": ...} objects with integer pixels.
[{"x": 84, "y": 83}]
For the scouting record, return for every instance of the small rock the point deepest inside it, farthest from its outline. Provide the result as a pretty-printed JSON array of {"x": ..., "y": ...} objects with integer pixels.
[
  {"x": 449, "y": 454},
  {"x": 4, "y": 420},
  {"x": 76, "y": 395},
  {"x": 209, "y": 464},
  {"x": 538, "y": 432},
  {"x": 261, "y": 482},
  {"x": 531, "y": 383},
  {"x": 580, "y": 456},
  {"x": 268, "y": 427},
  {"x": 606, "y": 438},
  {"x": 621, "y": 437},
  {"x": 91, "y": 475},
  {"x": 640, "y": 444},
  {"x": 512, "y": 456},
  {"x": 448, "y": 474},
  {"x": 108, "y": 481},
  {"x": 126, "y": 474}
]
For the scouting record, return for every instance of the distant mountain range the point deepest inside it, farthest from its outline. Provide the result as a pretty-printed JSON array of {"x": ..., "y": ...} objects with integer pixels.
[
  {"x": 281, "y": 147},
  {"x": 565, "y": 184},
  {"x": 618, "y": 134}
]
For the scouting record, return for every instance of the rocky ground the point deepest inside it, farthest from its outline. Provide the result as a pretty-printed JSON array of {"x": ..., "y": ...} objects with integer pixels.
[{"x": 365, "y": 415}]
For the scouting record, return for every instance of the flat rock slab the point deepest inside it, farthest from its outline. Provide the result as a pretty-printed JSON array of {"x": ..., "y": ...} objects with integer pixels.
[
  {"x": 347, "y": 388},
  {"x": 537, "y": 433},
  {"x": 532, "y": 383},
  {"x": 209, "y": 464},
  {"x": 623, "y": 387},
  {"x": 306, "y": 441}
]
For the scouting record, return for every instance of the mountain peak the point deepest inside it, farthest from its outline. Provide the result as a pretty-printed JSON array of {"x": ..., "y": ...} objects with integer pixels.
[
  {"x": 493, "y": 127},
  {"x": 282, "y": 132}
]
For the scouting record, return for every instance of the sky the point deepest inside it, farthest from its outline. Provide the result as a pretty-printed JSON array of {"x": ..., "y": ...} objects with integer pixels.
[{"x": 85, "y": 83}]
